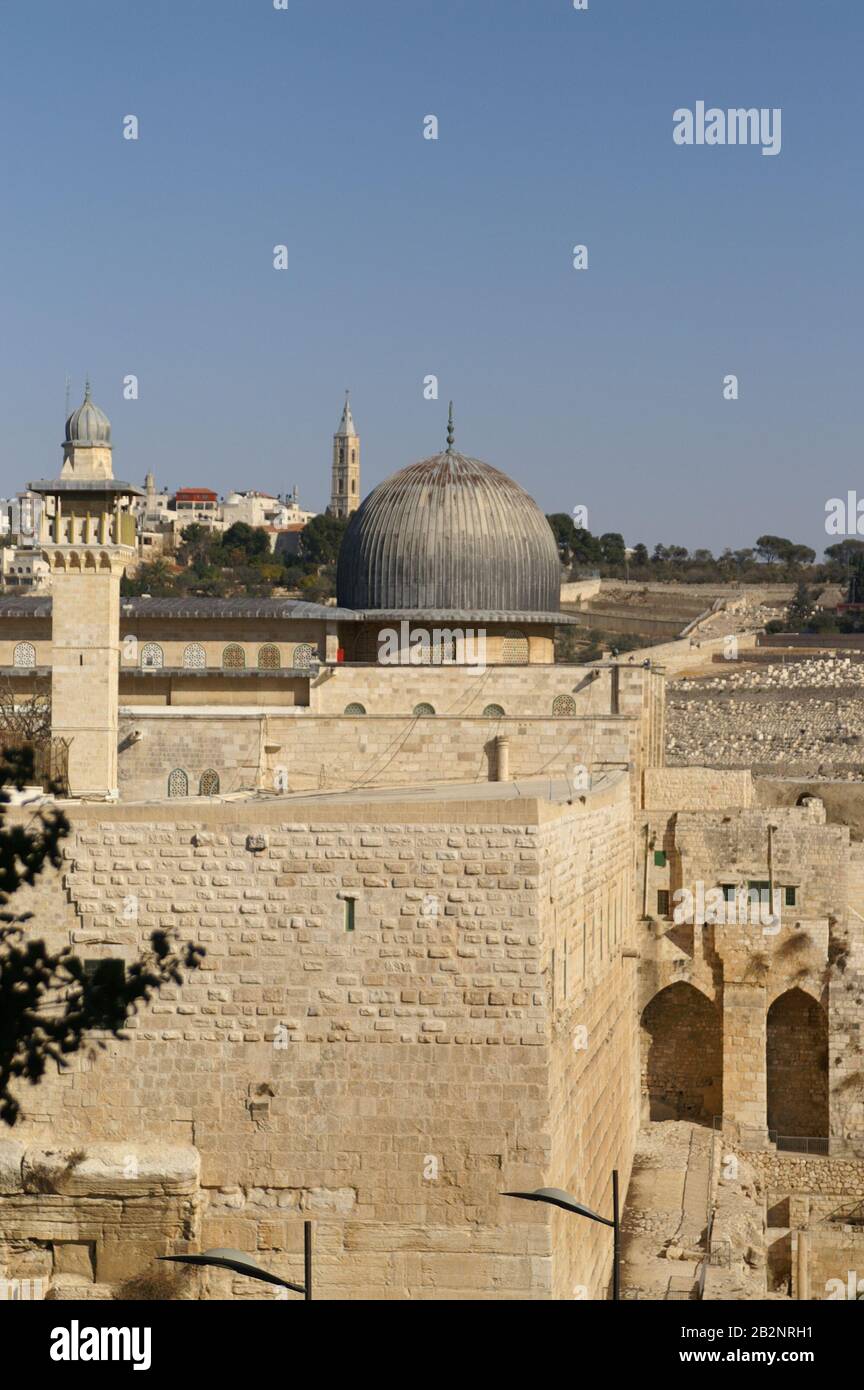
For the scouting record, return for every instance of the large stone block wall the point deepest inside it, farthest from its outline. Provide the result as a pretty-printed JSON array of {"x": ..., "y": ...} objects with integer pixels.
[
  {"x": 456, "y": 691},
  {"x": 151, "y": 748},
  {"x": 594, "y": 1058},
  {"x": 389, "y": 1080},
  {"x": 695, "y": 789},
  {"x": 306, "y": 752}
]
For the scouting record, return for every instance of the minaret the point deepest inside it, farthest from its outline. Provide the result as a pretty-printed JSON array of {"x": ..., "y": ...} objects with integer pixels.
[
  {"x": 87, "y": 533},
  {"x": 345, "y": 485}
]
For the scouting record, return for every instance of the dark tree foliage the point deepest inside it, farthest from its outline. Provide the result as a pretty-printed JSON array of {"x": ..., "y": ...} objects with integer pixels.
[
  {"x": 321, "y": 539},
  {"x": 49, "y": 1006}
]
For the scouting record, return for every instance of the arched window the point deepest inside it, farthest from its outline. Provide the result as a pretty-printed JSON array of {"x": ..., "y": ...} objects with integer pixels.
[
  {"x": 355, "y": 709},
  {"x": 209, "y": 784},
  {"x": 303, "y": 657},
  {"x": 445, "y": 651},
  {"x": 233, "y": 658},
  {"x": 194, "y": 657},
  {"x": 563, "y": 706},
  {"x": 151, "y": 656},
  {"x": 178, "y": 783},
  {"x": 24, "y": 655},
  {"x": 493, "y": 712},
  {"x": 269, "y": 658},
  {"x": 515, "y": 649},
  {"x": 423, "y": 711}
]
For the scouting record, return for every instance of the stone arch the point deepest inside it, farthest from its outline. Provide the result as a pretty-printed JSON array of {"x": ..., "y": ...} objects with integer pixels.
[
  {"x": 178, "y": 783},
  {"x": 514, "y": 651},
  {"x": 355, "y": 708},
  {"x": 563, "y": 706},
  {"x": 194, "y": 657},
  {"x": 233, "y": 657},
  {"x": 682, "y": 1055},
  {"x": 423, "y": 711},
  {"x": 209, "y": 784},
  {"x": 796, "y": 1064},
  {"x": 24, "y": 655},
  {"x": 152, "y": 658},
  {"x": 269, "y": 658},
  {"x": 493, "y": 712}
]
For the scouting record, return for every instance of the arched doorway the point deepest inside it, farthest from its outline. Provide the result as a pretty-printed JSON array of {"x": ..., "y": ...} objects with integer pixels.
[
  {"x": 797, "y": 1066},
  {"x": 682, "y": 1056}
]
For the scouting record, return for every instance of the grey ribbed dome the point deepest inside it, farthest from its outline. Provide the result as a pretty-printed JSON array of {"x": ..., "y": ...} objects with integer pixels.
[
  {"x": 88, "y": 424},
  {"x": 449, "y": 533}
]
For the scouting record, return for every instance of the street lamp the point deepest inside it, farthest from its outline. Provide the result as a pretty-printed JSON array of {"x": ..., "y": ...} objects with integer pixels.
[
  {"x": 241, "y": 1263},
  {"x": 555, "y": 1197}
]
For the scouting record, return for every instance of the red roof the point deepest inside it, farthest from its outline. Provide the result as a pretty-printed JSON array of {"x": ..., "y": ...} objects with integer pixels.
[{"x": 195, "y": 494}]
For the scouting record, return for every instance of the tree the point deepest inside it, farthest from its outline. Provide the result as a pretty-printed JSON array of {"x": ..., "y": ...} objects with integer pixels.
[
  {"x": 612, "y": 548},
  {"x": 321, "y": 538},
  {"x": 800, "y": 555},
  {"x": 768, "y": 548},
  {"x": 802, "y": 607},
  {"x": 49, "y": 1005},
  {"x": 157, "y": 578},
  {"x": 250, "y": 541},
  {"x": 855, "y": 588},
  {"x": 562, "y": 529},
  {"x": 771, "y": 548},
  {"x": 27, "y": 720}
]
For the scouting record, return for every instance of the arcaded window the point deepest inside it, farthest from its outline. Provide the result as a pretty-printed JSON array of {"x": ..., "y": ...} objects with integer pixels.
[
  {"x": 24, "y": 655},
  {"x": 423, "y": 711},
  {"x": 355, "y": 709},
  {"x": 303, "y": 657},
  {"x": 269, "y": 659},
  {"x": 209, "y": 784},
  {"x": 178, "y": 783},
  {"x": 233, "y": 658},
  {"x": 194, "y": 657},
  {"x": 152, "y": 658},
  {"x": 493, "y": 712},
  {"x": 563, "y": 706},
  {"x": 515, "y": 649}
]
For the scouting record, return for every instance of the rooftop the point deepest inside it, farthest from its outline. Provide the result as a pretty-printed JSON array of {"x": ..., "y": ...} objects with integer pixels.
[{"x": 32, "y": 606}]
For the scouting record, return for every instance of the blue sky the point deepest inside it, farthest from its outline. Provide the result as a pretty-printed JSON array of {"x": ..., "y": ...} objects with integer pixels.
[{"x": 409, "y": 257}]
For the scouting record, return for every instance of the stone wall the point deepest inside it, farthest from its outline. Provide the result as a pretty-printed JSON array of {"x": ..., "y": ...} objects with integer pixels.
[
  {"x": 587, "y": 880},
  {"x": 780, "y": 984},
  {"x": 370, "y": 1041},
  {"x": 306, "y": 752},
  {"x": 619, "y": 721},
  {"x": 695, "y": 788}
]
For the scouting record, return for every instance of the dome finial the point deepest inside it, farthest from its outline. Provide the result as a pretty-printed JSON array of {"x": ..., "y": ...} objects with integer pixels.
[
  {"x": 450, "y": 431},
  {"x": 88, "y": 395}
]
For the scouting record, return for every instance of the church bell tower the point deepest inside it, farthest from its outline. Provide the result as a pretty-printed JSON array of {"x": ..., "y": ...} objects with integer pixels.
[{"x": 345, "y": 484}]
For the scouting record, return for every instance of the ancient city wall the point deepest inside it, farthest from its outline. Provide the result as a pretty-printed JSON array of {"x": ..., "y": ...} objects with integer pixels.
[
  {"x": 368, "y": 1039},
  {"x": 594, "y": 1071}
]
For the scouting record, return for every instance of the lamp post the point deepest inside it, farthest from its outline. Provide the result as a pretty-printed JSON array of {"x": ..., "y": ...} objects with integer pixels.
[
  {"x": 555, "y": 1197},
  {"x": 241, "y": 1263}
]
